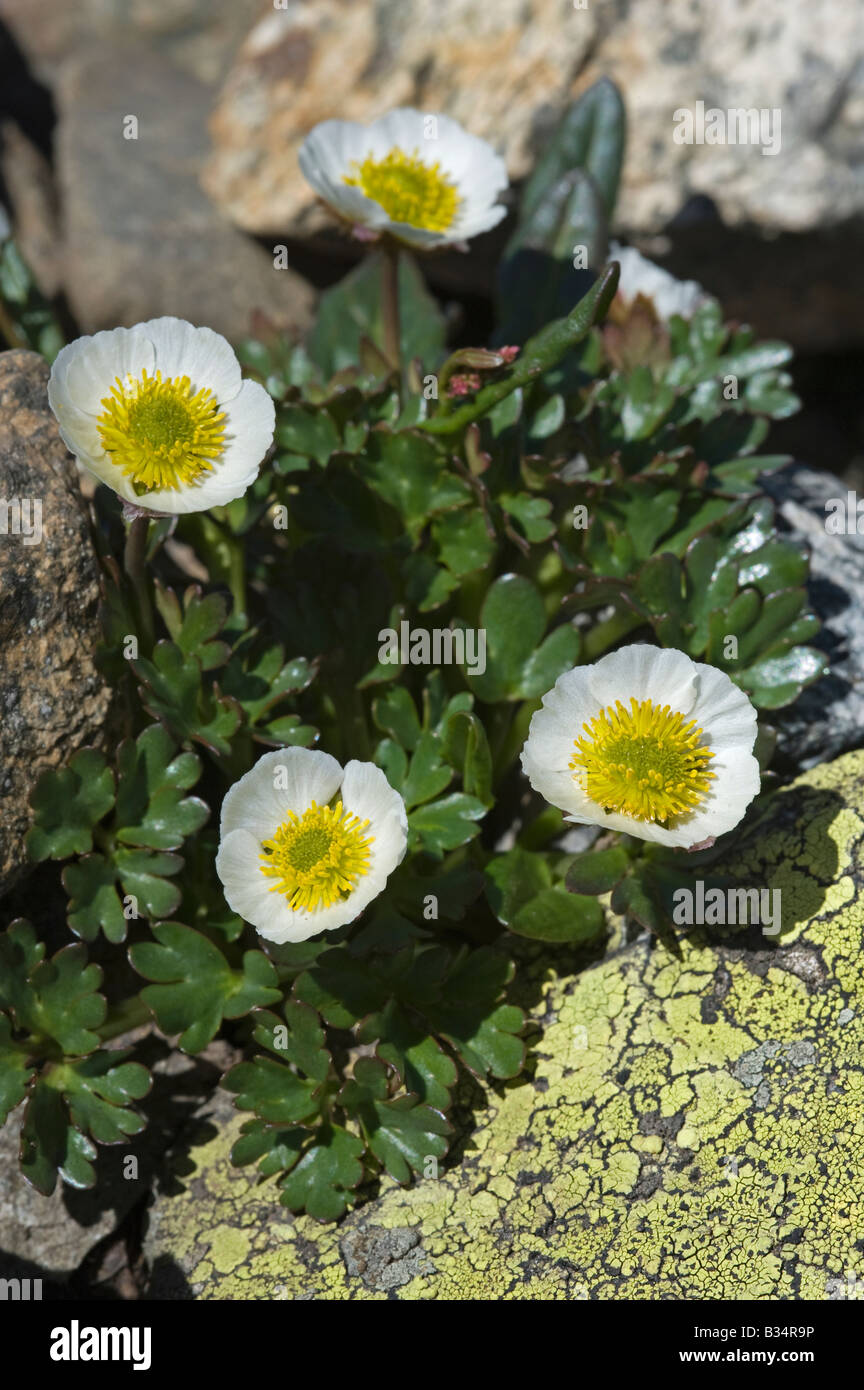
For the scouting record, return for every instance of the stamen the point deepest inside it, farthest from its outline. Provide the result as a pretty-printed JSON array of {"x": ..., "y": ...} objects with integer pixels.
[
  {"x": 645, "y": 762},
  {"x": 408, "y": 189},
  {"x": 317, "y": 858},
  {"x": 162, "y": 434}
]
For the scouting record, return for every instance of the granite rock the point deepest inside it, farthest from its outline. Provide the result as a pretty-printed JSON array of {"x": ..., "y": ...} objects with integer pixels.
[
  {"x": 509, "y": 70},
  {"x": 53, "y": 700},
  {"x": 828, "y": 717}
]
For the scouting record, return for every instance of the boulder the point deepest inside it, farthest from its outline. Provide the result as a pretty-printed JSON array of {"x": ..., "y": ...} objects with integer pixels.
[
  {"x": 199, "y": 35},
  {"x": 691, "y": 1128},
  {"x": 509, "y": 70},
  {"x": 828, "y": 717},
  {"x": 53, "y": 700},
  {"x": 141, "y": 239}
]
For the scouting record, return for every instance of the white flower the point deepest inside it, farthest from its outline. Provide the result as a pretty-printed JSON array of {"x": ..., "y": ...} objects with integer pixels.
[
  {"x": 641, "y": 276},
  {"x": 648, "y": 742},
  {"x": 423, "y": 179},
  {"x": 293, "y": 859},
  {"x": 161, "y": 414}
]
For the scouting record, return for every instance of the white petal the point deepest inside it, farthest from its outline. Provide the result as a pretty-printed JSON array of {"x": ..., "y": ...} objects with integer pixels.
[
  {"x": 723, "y": 711},
  {"x": 84, "y": 371},
  {"x": 247, "y": 890},
  {"x": 659, "y": 674},
  {"x": 256, "y": 803},
  {"x": 204, "y": 356},
  {"x": 367, "y": 794}
]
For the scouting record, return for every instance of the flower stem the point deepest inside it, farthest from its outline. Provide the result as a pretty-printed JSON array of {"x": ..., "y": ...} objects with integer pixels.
[
  {"x": 390, "y": 304},
  {"x": 134, "y": 563}
]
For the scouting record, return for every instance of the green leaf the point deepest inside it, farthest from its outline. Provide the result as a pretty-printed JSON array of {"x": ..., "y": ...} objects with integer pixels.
[
  {"x": 482, "y": 1031},
  {"x": 402, "y": 1133},
  {"x": 15, "y": 1071},
  {"x": 51, "y": 1145},
  {"x": 463, "y": 540},
  {"x": 307, "y": 432},
  {"x": 299, "y": 1039},
  {"x": 447, "y": 824},
  {"x": 531, "y": 513},
  {"x": 395, "y": 714},
  {"x": 634, "y": 897},
  {"x": 405, "y": 1043},
  {"x": 94, "y": 903},
  {"x": 597, "y": 871},
  {"x": 352, "y": 310},
  {"x": 409, "y": 473},
  {"x": 514, "y": 879},
  {"x": 54, "y": 998},
  {"x": 558, "y": 915},
  {"x": 195, "y": 626},
  {"x": 324, "y": 1178},
  {"x": 175, "y": 695},
  {"x": 195, "y": 985},
  {"x": 777, "y": 681},
  {"x": 273, "y": 1091},
  {"x": 97, "y": 1090},
  {"x": 151, "y": 809},
  {"x": 590, "y": 136},
  {"x": 427, "y": 775},
  {"x": 67, "y": 805},
  {"x": 342, "y": 988},
  {"x": 519, "y": 664},
  {"x": 466, "y": 747}
]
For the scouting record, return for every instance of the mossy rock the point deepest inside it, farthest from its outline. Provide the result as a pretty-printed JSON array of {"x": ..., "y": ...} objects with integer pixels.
[{"x": 694, "y": 1127}]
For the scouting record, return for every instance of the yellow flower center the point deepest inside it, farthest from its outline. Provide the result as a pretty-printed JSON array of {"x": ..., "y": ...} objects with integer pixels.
[
  {"x": 317, "y": 858},
  {"x": 162, "y": 434},
  {"x": 645, "y": 762},
  {"x": 408, "y": 189}
]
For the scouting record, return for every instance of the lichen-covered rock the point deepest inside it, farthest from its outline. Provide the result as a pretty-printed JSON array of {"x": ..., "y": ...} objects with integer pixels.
[
  {"x": 53, "y": 700},
  {"x": 508, "y": 70},
  {"x": 694, "y": 1127}
]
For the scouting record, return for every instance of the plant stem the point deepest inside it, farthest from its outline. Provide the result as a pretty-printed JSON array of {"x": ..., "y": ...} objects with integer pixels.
[
  {"x": 134, "y": 563},
  {"x": 390, "y": 304}
]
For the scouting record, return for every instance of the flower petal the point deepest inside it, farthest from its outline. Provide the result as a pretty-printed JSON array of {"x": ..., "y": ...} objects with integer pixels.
[{"x": 288, "y": 779}]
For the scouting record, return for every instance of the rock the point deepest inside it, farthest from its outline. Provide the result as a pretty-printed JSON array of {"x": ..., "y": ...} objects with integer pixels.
[
  {"x": 493, "y": 67},
  {"x": 509, "y": 70},
  {"x": 199, "y": 35},
  {"x": 52, "y": 698},
  {"x": 828, "y": 717},
  {"x": 28, "y": 179},
  {"x": 141, "y": 238},
  {"x": 692, "y": 1129}
]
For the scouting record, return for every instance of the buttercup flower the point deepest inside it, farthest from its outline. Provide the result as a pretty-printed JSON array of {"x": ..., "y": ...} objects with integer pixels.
[
  {"x": 423, "y": 179},
  {"x": 641, "y": 276},
  {"x": 161, "y": 414},
  {"x": 305, "y": 845},
  {"x": 648, "y": 742}
]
